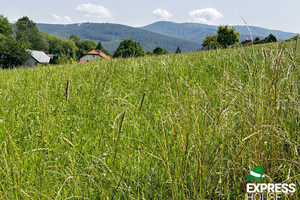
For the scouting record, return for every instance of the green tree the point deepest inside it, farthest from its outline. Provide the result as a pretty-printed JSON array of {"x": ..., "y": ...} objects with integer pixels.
[
  {"x": 85, "y": 46},
  {"x": 69, "y": 48},
  {"x": 256, "y": 40},
  {"x": 211, "y": 40},
  {"x": 12, "y": 52},
  {"x": 27, "y": 32},
  {"x": 88, "y": 45},
  {"x": 270, "y": 38},
  {"x": 63, "y": 49},
  {"x": 101, "y": 48},
  {"x": 63, "y": 60},
  {"x": 148, "y": 53},
  {"x": 75, "y": 38},
  {"x": 129, "y": 48},
  {"x": 5, "y": 27},
  {"x": 178, "y": 50},
  {"x": 55, "y": 45},
  {"x": 40, "y": 43},
  {"x": 296, "y": 37},
  {"x": 159, "y": 51},
  {"x": 227, "y": 36}
]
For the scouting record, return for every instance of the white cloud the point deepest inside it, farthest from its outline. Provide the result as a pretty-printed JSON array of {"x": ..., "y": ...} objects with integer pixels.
[
  {"x": 92, "y": 10},
  {"x": 205, "y": 15},
  {"x": 162, "y": 14},
  {"x": 62, "y": 18}
]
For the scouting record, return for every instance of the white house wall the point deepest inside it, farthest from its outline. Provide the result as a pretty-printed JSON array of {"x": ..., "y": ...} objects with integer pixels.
[{"x": 88, "y": 58}]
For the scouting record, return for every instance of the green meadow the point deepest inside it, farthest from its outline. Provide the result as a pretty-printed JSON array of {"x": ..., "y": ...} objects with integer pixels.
[{"x": 187, "y": 126}]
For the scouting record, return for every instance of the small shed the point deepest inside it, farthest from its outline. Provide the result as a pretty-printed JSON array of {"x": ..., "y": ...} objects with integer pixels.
[
  {"x": 36, "y": 57},
  {"x": 94, "y": 55},
  {"x": 208, "y": 47}
]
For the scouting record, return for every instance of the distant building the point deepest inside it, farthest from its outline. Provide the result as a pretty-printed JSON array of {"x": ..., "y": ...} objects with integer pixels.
[
  {"x": 36, "y": 57},
  {"x": 93, "y": 55},
  {"x": 208, "y": 47},
  {"x": 247, "y": 42},
  {"x": 50, "y": 55}
]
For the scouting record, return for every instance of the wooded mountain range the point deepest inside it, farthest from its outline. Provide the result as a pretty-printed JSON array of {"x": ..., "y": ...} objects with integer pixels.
[
  {"x": 197, "y": 32},
  {"x": 168, "y": 35},
  {"x": 110, "y": 35}
]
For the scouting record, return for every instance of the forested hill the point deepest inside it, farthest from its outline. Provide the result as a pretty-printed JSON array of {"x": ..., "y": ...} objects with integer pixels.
[
  {"x": 169, "y": 35},
  {"x": 110, "y": 35},
  {"x": 197, "y": 32}
]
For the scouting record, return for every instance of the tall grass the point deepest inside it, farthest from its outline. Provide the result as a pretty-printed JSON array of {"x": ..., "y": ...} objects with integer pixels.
[{"x": 187, "y": 126}]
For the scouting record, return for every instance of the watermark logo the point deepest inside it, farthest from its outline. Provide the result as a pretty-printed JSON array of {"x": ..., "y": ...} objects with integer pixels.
[
  {"x": 257, "y": 173},
  {"x": 266, "y": 191}
]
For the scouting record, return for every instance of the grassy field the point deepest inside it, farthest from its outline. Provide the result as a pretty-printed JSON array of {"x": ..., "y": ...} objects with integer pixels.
[{"x": 188, "y": 126}]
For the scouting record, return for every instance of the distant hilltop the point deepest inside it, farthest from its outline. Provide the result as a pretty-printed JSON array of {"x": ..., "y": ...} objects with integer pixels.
[
  {"x": 110, "y": 36},
  {"x": 169, "y": 35},
  {"x": 197, "y": 32}
]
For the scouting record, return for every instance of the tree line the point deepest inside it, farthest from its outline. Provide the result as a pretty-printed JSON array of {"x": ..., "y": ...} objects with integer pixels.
[
  {"x": 16, "y": 38},
  {"x": 228, "y": 36}
]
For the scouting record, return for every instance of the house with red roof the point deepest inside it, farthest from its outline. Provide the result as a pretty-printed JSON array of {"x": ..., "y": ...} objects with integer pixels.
[{"x": 94, "y": 55}]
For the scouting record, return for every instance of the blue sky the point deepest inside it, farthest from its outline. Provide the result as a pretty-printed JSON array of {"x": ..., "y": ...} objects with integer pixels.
[{"x": 272, "y": 14}]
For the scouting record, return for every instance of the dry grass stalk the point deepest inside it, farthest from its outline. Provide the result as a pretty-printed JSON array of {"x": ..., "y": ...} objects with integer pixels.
[
  {"x": 118, "y": 136},
  {"x": 121, "y": 124},
  {"x": 248, "y": 29},
  {"x": 265, "y": 53},
  {"x": 69, "y": 142},
  {"x": 142, "y": 101},
  {"x": 67, "y": 89}
]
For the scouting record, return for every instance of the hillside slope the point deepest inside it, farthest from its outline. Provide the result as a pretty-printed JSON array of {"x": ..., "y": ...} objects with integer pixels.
[
  {"x": 110, "y": 35},
  {"x": 197, "y": 32}
]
